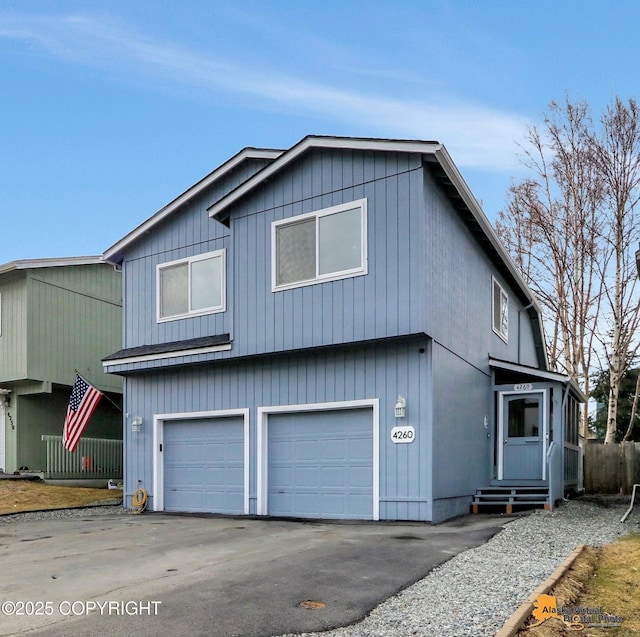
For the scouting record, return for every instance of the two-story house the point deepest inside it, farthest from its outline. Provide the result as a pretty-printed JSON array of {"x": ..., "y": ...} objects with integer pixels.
[
  {"x": 57, "y": 316},
  {"x": 334, "y": 331}
]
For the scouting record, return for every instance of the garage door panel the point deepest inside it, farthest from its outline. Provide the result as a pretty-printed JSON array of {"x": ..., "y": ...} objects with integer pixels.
[
  {"x": 320, "y": 464},
  {"x": 204, "y": 465}
]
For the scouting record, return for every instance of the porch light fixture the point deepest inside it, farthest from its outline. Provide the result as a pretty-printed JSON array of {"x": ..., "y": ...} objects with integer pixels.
[
  {"x": 401, "y": 407},
  {"x": 136, "y": 424}
]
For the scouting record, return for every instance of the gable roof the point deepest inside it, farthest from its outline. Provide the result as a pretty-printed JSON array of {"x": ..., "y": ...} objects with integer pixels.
[
  {"x": 445, "y": 173},
  {"x": 31, "y": 264},
  {"x": 435, "y": 158},
  {"x": 113, "y": 254}
]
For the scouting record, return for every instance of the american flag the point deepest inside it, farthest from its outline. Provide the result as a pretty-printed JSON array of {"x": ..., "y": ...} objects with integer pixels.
[{"x": 83, "y": 402}]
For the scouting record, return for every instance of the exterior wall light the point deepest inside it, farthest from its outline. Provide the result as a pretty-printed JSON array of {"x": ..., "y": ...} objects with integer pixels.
[
  {"x": 136, "y": 424},
  {"x": 401, "y": 407}
]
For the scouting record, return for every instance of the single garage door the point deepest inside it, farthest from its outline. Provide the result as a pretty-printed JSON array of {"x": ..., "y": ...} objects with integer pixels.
[
  {"x": 320, "y": 464},
  {"x": 204, "y": 465}
]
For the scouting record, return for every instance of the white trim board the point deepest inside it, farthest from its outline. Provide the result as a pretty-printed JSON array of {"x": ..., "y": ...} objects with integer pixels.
[
  {"x": 158, "y": 439},
  {"x": 262, "y": 460},
  {"x": 545, "y": 427},
  {"x": 165, "y": 355}
]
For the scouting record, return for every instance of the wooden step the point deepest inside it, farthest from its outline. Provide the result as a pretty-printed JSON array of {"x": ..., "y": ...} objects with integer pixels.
[{"x": 510, "y": 496}]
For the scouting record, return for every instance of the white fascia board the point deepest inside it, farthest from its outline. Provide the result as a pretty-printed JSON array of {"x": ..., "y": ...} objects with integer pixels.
[
  {"x": 344, "y": 143},
  {"x": 31, "y": 264},
  {"x": 196, "y": 189},
  {"x": 539, "y": 373},
  {"x": 164, "y": 355}
]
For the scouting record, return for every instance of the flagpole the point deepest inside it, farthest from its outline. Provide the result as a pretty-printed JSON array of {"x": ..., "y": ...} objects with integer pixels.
[{"x": 105, "y": 395}]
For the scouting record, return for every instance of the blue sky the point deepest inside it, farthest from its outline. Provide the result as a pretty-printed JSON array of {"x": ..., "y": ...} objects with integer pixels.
[{"x": 109, "y": 110}]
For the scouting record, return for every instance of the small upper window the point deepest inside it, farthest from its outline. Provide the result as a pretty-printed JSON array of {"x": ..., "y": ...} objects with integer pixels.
[
  {"x": 500, "y": 312},
  {"x": 320, "y": 246},
  {"x": 191, "y": 287}
]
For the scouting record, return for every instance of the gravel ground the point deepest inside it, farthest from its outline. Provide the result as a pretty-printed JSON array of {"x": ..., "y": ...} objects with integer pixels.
[
  {"x": 60, "y": 514},
  {"x": 474, "y": 593}
]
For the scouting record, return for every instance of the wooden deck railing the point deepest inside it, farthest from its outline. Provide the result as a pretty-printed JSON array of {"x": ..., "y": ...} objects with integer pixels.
[{"x": 93, "y": 458}]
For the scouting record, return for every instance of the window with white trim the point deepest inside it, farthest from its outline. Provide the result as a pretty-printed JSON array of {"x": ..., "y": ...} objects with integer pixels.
[
  {"x": 500, "y": 305},
  {"x": 191, "y": 287},
  {"x": 325, "y": 245}
]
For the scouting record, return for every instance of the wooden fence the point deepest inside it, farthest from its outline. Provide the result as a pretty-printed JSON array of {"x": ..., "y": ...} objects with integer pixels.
[{"x": 611, "y": 468}]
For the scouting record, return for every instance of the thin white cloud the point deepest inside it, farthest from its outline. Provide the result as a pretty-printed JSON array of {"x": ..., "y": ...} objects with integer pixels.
[{"x": 477, "y": 136}]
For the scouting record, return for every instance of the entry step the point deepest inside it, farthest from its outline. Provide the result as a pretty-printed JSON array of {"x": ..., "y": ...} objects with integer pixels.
[{"x": 525, "y": 497}]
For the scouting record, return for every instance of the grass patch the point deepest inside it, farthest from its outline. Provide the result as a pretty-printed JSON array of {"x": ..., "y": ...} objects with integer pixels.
[
  {"x": 17, "y": 496},
  {"x": 606, "y": 578}
]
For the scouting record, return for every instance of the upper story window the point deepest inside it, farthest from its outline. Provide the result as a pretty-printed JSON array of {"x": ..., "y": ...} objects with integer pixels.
[
  {"x": 191, "y": 287},
  {"x": 500, "y": 311},
  {"x": 319, "y": 246}
]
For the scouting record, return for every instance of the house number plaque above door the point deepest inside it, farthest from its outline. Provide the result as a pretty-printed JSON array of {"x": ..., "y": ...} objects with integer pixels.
[
  {"x": 523, "y": 387},
  {"x": 403, "y": 434}
]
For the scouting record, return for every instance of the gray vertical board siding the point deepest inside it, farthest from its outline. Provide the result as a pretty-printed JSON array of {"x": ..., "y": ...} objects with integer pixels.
[
  {"x": 352, "y": 309},
  {"x": 383, "y": 371},
  {"x": 458, "y": 281},
  {"x": 169, "y": 243},
  {"x": 187, "y": 232},
  {"x": 13, "y": 335},
  {"x": 462, "y": 398}
]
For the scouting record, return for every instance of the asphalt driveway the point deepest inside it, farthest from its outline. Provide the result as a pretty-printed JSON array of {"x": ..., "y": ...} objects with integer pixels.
[{"x": 163, "y": 575}]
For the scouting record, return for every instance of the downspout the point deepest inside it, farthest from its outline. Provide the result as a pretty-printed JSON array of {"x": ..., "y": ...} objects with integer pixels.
[{"x": 519, "y": 329}]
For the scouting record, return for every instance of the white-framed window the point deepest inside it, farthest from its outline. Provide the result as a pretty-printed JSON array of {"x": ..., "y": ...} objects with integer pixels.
[
  {"x": 191, "y": 287},
  {"x": 500, "y": 305},
  {"x": 324, "y": 245}
]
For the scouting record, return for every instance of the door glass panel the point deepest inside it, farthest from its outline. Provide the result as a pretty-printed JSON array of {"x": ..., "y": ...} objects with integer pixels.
[{"x": 524, "y": 418}]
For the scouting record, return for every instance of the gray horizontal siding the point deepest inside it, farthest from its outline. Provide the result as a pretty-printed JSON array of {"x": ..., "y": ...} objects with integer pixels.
[{"x": 382, "y": 371}]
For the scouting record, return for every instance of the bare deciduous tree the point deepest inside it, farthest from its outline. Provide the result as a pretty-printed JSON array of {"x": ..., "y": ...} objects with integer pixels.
[
  {"x": 553, "y": 229},
  {"x": 616, "y": 156}
]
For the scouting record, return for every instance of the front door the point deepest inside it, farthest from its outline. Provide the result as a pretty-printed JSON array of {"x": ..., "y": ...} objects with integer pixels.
[{"x": 522, "y": 428}]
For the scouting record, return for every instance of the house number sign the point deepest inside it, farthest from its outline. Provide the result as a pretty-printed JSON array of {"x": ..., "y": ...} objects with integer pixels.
[
  {"x": 523, "y": 387},
  {"x": 403, "y": 434}
]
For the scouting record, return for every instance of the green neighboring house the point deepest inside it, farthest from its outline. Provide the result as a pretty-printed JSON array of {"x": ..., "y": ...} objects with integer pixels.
[{"x": 56, "y": 316}]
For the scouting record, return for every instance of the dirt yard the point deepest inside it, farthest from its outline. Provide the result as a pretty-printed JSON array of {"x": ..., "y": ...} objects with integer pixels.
[{"x": 28, "y": 495}]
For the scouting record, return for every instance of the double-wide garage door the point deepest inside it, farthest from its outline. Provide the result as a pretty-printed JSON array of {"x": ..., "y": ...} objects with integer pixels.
[
  {"x": 320, "y": 464},
  {"x": 204, "y": 465}
]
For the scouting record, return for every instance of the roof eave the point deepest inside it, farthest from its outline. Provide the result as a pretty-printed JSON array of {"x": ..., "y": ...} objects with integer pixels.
[
  {"x": 314, "y": 141},
  {"x": 114, "y": 254},
  {"x": 32, "y": 264}
]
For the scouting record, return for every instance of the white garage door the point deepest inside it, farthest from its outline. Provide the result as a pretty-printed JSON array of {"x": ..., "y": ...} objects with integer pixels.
[
  {"x": 204, "y": 465},
  {"x": 320, "y": 464}
]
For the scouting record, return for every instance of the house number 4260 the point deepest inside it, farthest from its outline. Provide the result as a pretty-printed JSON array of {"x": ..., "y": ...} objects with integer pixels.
[{"x": 405, "y": 433}]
